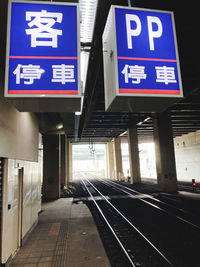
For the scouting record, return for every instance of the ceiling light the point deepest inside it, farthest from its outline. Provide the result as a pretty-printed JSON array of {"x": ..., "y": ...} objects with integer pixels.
[
  {"x": 122, "y": 134},
  {"x": 147, "y": 119},
  {"x": 88, "y": 11},
  {"x": 59, "y": 126}
]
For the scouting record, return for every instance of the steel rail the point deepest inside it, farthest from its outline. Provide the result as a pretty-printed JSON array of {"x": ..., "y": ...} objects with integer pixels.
[
  {"x": 108, "y": 224},
  {"x": 151, "y": 204},
  {"x": 133, "y": 226},
  {"x": 187, "y": 187},
  {"x": 143, "y": 194}
]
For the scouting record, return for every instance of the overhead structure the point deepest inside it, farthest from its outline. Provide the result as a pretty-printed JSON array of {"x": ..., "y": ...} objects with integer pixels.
[
  {"x": 95, "y": 123},
  {"x": 43, "y": 66},
  {"x": 141, "y": 63},
  {"x": 102, "y": 126}
]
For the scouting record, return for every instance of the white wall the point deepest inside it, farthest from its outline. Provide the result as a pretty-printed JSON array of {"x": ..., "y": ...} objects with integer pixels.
[
  {"x": 19, "y": 145},
  {"x": 18, "y": 133},
  {"x": 31, "y": 202},
  {"x": 187, "y": 152}
]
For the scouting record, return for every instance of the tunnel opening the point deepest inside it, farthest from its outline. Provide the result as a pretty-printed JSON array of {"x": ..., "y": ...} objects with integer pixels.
[{"x": 89, "y": 160}]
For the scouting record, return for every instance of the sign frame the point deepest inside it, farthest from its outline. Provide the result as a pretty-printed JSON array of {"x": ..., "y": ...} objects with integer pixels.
[
  {"x": 41, "y": 96},
  {"x": 156, "y": 95}
]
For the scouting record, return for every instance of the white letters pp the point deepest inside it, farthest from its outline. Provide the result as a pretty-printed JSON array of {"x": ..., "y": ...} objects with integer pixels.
[{"x": 152, "y": 34}]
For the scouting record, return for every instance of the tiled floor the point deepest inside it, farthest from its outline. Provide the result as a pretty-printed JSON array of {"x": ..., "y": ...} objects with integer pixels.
[{"x": 65, "y": 236}]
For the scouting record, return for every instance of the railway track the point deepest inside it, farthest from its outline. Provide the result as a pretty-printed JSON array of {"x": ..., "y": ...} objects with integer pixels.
[
  {"x": 172, "y": 210},
  {"x": 145, "y": 231},
  {"x": 137, "y": 248}
]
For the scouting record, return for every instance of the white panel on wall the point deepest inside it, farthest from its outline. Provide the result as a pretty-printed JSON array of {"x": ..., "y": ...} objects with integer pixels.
[
  {"x": 187, "y": 152},
  {"x": 31, "y": 202},
  {"x": 18, "y": 133}
]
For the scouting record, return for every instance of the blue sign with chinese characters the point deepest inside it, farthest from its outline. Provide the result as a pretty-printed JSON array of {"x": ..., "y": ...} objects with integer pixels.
[
  {"x": 43, "y": 49},
  {"x": 147, "y": 53}
]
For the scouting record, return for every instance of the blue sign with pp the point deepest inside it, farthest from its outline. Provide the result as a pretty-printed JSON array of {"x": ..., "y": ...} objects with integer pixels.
[
  {"x": 43, "y": 49},
  {"x": 147, "y": 53}
]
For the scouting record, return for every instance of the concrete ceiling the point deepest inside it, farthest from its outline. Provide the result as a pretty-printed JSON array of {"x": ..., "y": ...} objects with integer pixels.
[
  {"x": 97, "y": 124},
  {"x": 100, "y": 126}
]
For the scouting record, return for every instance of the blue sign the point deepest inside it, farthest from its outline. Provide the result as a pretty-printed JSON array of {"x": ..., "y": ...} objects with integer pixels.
[
  {"x": 43, "y": 49},
  {"x": 147, "y": 53}
]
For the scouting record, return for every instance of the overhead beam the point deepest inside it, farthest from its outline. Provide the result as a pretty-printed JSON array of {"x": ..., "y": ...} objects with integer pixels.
[{"x": 95, "y": 65}]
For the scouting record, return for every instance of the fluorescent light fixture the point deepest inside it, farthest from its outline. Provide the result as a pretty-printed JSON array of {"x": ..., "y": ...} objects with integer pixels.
[
  {"x": 141, "y": 122},
  {"x": 122, "y": 134},
  {"x": 88, "y": 11},
  {"x": 84, "y": 67},
  {"x": 78, "y": 113},
  {"x": 147, "y": 119},
  {"x": 59, "y": 126},
  {"x": 88, "y": 14}
]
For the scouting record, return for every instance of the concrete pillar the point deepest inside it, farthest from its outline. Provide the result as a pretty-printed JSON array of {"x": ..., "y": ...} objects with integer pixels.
[
  {"x": 109, "y": 160},
  {"x": 63, "y": 153},
  {"x": 164, "y": 151},
  {"x": 51, "y": 170},
  {"x": 134, "y": 159},
  {"x": 118, "y": 159},
  {"x": 69, "y": 162}
]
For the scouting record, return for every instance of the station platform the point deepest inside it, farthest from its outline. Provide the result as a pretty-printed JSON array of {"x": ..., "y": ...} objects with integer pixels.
[{"x": 66, "y": 235}]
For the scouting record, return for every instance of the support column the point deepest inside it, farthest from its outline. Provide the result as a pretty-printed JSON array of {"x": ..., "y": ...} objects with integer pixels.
[
  {"x": 51, "y": 170},
  {"x": 69, "y": 165},
  {"x": 118, "y": 159},
  {"x": 63, "y": 153},
  {"x": 164, "y": 150},
  {"x": 107, "y": 174},
  {"x": 110, "y": 160},
  {"x": 134, "y": 159}
]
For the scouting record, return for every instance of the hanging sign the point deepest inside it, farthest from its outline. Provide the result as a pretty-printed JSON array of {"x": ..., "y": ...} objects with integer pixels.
[
  {"x": 42, "y": 50},
  {"x": 142, "y": 47}
]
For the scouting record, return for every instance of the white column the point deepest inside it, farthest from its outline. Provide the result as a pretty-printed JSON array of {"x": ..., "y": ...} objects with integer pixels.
[
  {"x": 109, "y": 160},
  {"x": 69, "y": 162},
  {"x": 62, "y": 160},
  {"x": 118, "y": 159},
  {"x": 134, "y": 159}
]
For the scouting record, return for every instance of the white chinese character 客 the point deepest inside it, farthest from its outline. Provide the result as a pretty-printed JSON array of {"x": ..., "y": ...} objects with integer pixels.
[
  {"x": 135, "y": 73},
  {"x": 165, "y": 75},
  {"x": 42, "y": 33},
  {"x": 28, "y": 72},
  {"x": 63, "y": 73}
]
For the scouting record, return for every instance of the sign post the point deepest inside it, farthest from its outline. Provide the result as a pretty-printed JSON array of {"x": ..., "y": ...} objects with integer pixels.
[
  {"x": 43, "y": 53},
  {"x": 140, "y": 47}
]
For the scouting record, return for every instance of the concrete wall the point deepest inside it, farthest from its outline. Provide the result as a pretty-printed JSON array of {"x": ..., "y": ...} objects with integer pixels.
[
  {"x": 187, "y": 152},
  {"x": 18, "y": 133},
  {"x": 19, "y": 145},
  {"x": 14, "y": 220}
]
